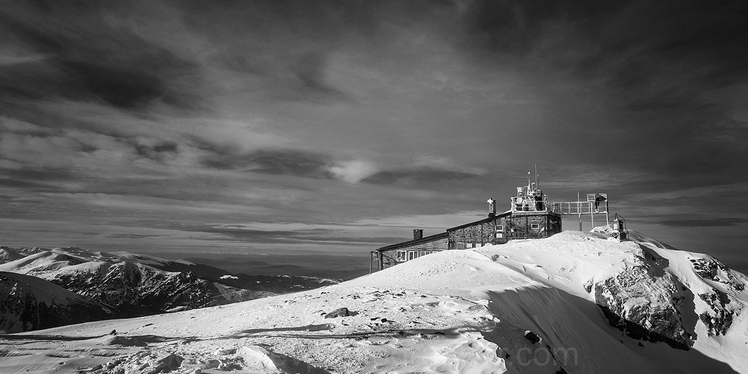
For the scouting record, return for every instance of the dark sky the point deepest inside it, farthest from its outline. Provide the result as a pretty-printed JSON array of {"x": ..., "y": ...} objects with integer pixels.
[{"x": 338, "y": 126}]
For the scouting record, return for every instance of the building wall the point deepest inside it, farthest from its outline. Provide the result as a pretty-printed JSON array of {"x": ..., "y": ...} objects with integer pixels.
[
  {"x": 504, "y": 228},
  {"x": 533, "y": 226},
  {"x": 407, "y": 252},
  {"x": 497, "y": 230},
  {"x": 477, "y": 235}
]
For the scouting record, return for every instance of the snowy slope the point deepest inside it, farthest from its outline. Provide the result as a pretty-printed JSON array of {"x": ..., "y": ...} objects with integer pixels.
[{"x": 574, "y": 303}]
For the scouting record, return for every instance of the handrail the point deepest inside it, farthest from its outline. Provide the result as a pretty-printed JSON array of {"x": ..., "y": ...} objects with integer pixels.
[{"x": 579, "y": 207}]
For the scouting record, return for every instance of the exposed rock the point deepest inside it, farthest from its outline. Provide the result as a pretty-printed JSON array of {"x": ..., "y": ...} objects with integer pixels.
[
  {"x": 711, "y": 269},
  {"x": 532, "y": 337},
  {"x": 643, "y": 306},
  {"x": 29, "y": 303},
  {"x": 340, "y": 312},
  {"x": 722, "y": 312}
]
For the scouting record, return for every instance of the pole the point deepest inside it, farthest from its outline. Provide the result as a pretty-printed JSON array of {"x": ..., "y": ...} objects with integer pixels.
[
  {"x": 607, "y": 221},
  {"x": 579, "y": 212}
]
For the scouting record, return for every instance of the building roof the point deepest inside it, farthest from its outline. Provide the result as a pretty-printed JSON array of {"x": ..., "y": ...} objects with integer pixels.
[
  {"x": 535, "y": 213},
  {"x": 444, "y": 235},
  {"x": 426, "y": 239},
  {"x": 485, "y": 220}
]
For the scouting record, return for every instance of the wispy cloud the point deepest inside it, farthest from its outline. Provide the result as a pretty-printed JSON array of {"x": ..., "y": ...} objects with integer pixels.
[
  {"x": 396, "y": 114},
  {"x": 291, "y": 162},
  {"x": 701, "y": 222},
  {"x": 353, "y": 171}
]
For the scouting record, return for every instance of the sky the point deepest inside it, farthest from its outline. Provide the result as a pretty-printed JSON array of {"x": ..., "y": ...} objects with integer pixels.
[{"x": 336, "y": 127}]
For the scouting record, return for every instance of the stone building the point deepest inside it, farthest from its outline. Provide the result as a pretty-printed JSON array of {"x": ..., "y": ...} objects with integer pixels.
[{"x": 529, "y": 217}]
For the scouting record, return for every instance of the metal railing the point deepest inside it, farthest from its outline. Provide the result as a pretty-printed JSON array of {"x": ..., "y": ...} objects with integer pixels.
[{"x": 579, "y": 207}]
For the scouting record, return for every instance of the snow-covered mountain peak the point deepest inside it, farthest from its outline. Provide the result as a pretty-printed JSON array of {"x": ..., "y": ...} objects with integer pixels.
[{"x": 571, "y": 303}]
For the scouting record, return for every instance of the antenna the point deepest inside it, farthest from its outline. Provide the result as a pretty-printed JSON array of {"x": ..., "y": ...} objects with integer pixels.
[
  {"x": 529, "y": 183},
  {"x": 536, "y": 176}
]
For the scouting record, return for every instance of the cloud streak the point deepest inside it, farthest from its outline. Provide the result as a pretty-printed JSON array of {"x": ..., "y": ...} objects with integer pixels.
[{"x": 709, "y": 222}]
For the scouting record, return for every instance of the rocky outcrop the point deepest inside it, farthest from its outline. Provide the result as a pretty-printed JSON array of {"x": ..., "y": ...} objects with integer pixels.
[
  {"x": 721, "y": 314},
  {"x": 642, "y": 306},
  {"x": 645, "y": 300},
  {"x": 722, "y": 307},
  {"x": 711, "y": 269}
]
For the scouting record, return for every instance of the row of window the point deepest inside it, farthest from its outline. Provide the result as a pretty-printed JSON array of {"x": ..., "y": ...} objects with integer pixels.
[
  {"x": 533, "y": 226},
  {"x": 407, "y": 255},
  {"x": 403, "y": 255},
  {"x": 500, "y": 230}
]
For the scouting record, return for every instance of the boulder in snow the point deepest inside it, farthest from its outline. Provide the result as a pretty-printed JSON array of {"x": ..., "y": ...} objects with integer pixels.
[{"x": 340, "y": 312}]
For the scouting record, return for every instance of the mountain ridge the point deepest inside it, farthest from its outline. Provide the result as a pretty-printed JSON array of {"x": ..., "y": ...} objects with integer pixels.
[{"x": 130, "y": 284}]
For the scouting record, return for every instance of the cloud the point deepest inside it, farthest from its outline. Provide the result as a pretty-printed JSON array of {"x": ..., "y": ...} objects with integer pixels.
[
  {"x": 267, "y": 161},
  {"x": 262, "y": 236},
  {"x": 314, "y": 86},
  {"x": 704, "y": 222},
  {"x": 353, "y": 171},
  {"x": 435, "y": 222},
  {"x": 157, "y": 151},
  {"x": 118, "y": 67},
  {"x": 606, "y": 77},
  {"x": 131, "y": 236},
  {"x": 28, "y": 185},
  {"x": 9, "y": 165},
  {"x": 423, "y": 170},
  {"x": 419, "y": 176}
]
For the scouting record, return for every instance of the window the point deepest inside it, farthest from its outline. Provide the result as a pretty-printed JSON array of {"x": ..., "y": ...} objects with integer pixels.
[
  {"x": 412, "y": 255},
  {"x": 422, "y": 253},
  {"x": 534, "y": 226},
  {"x": 401, "y": 255},
  {"x": 499, "y": 227}
]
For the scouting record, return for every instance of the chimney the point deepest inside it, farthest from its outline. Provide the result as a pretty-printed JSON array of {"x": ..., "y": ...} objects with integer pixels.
[
  {"x": 491, "y": 207},
  {"x": 417, "y": 234}
]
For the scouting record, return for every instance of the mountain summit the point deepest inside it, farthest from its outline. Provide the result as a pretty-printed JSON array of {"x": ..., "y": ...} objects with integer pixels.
[{"x": 572, "y": 303}]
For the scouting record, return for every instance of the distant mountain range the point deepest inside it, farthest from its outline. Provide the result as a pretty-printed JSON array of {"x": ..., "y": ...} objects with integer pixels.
[
  {"x": 117, "y": 285},
  {"x": 342, "y": 267}
]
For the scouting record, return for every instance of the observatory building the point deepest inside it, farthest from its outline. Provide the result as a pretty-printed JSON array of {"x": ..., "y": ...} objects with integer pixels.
[{"x": 530, "y": 216}]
